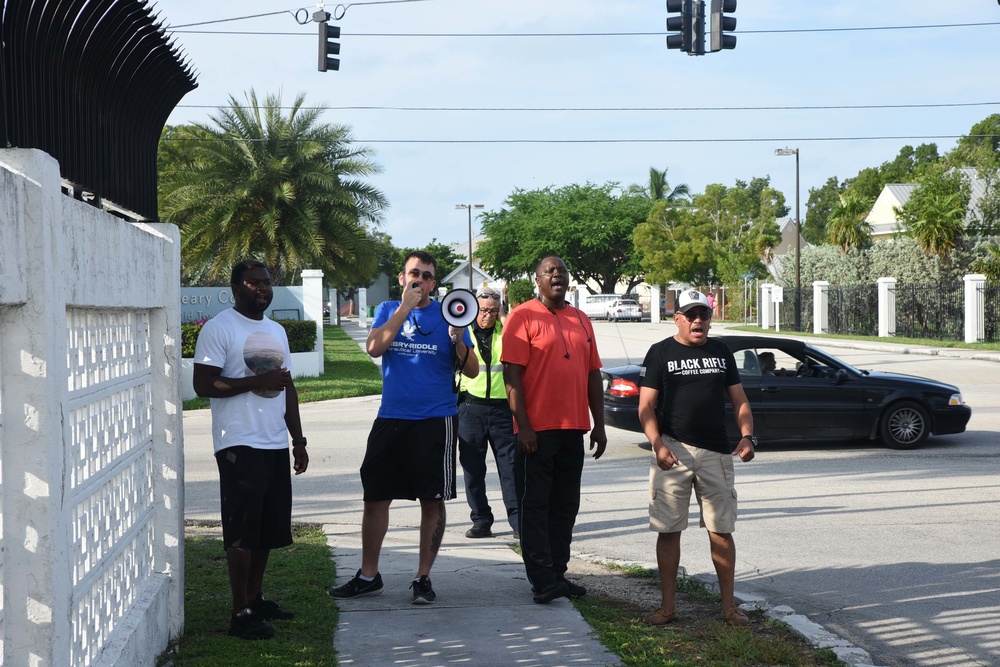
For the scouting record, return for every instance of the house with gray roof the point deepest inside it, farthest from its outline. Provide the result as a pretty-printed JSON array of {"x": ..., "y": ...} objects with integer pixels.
[{"x": 886, "y": 224}]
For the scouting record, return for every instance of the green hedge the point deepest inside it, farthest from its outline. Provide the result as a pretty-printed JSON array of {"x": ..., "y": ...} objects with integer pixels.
[{"x": 301, "y": 336}]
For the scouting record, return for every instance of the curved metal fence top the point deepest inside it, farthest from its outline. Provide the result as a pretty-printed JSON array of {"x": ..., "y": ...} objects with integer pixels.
[{"x": 91, "y": 83}]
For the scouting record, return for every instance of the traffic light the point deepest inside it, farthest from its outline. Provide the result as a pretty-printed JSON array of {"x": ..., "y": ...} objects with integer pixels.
[
  {"x": 688, "y": 29},
  {"x": 679, "y": 25},
  {"x": 722, "y": 24},
  {"x": 697, "y": 28},
  {"x": 327, "y": 47}
]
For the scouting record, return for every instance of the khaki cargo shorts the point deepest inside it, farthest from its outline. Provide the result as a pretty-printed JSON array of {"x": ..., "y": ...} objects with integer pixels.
[{"x": 712, "y": 477}]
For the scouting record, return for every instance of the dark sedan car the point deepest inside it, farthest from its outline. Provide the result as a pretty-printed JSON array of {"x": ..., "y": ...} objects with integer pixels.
[{"x": 798, "y": 392}]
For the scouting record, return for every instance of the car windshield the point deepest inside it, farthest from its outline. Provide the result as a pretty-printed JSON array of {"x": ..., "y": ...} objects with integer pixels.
[{"x": 773, "y": 361}]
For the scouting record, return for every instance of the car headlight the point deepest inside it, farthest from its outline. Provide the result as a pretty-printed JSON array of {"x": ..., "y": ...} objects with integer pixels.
[{"x": 956, "y": 399}]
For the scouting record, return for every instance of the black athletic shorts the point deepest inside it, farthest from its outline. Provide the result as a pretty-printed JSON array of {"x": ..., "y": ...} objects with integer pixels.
[
  {"x": 256, "y": 490},
  {"x": 410, "y": 459}
]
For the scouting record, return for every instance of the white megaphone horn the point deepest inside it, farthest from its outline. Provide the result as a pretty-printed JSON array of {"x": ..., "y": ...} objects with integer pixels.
[{"x": 459, "y": 308}]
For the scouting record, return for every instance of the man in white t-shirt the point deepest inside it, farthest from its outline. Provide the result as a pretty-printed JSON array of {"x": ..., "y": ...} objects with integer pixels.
[{"x": 243, "y": 363}]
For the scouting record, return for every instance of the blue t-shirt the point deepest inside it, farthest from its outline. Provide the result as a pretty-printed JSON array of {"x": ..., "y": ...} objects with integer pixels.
[{"x": 418, "y": 369}]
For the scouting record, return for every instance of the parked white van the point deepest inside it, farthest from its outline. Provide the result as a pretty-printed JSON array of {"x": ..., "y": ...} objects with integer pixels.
[{"x": 596, "y": 305}]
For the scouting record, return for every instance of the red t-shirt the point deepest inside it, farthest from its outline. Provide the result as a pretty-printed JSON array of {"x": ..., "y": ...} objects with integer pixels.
[{"x": 558, "y": 350}]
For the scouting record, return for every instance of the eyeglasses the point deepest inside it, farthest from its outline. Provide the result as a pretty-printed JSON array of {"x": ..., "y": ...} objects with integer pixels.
[
  {"x": 489, "y": 296},
  {"x": 695, "y": 313},
  {"x": 415, "y": 273},
  {"x": 489, "y": 311}
]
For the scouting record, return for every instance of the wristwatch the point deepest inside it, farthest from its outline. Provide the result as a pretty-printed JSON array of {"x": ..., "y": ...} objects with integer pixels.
[
  {"x": 299, "y": 442},
  {"x": 752, "y": 438}
]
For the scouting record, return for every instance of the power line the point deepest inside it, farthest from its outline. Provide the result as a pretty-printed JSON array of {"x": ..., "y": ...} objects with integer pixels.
[
  {"x": 294, "y": 12},
  {"x": 818, "y": 107},
  {"x": 931, "y": 26},
  {"x": 714, "y": 140}
]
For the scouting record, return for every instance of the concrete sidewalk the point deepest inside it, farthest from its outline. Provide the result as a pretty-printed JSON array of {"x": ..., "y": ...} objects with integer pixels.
[{"x": 483, "y": 616}]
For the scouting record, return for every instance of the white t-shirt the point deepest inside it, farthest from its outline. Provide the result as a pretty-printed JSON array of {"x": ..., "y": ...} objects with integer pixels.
[{"x": 242, "y": 347}]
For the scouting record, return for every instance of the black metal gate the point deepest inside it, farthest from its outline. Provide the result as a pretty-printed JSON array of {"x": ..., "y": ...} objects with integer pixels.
[
  {"x": 853, "y": 310},
  {"x": 930, "y": 311}
]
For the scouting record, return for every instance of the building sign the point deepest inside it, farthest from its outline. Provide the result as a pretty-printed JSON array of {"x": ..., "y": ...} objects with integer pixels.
[{"x": 202, "y": 303}]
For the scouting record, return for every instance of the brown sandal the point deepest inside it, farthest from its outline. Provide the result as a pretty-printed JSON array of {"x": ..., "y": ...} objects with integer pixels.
[
  {"x": 661, "y": 617},
  {"x": 736, "y": 616}
]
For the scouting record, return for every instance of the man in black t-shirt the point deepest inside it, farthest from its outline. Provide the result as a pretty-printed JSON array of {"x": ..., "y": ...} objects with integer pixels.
[{"x": 684, "y": 382}]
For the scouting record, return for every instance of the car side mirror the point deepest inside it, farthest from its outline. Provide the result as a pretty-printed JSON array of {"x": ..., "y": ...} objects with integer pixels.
[{"x": 840, "y": 377}]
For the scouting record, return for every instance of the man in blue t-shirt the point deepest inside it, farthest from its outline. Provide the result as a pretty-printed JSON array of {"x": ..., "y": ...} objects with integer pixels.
[
  {"x": 685, "y": 381},
  {"x": 411, "y": 447}
]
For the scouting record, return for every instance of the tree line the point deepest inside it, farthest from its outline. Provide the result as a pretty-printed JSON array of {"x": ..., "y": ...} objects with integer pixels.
[{"x": 281, "y": 186}]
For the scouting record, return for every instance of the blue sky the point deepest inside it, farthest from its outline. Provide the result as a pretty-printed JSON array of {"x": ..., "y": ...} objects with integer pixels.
[{"x": 424, "y": 181}]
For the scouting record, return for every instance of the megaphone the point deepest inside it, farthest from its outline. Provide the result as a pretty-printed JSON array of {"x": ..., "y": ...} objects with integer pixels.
[{"x": 459, "y": 308}]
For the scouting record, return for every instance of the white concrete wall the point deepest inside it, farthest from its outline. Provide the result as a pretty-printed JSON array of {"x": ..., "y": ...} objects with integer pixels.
[{"x": 90, "y": 427}]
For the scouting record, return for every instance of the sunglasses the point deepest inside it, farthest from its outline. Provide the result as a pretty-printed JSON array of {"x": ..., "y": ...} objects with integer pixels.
[
  {"x": 694, "y": 313},
  {"x": 415, "y": 273},
  {"x": 489, "y": 296}
]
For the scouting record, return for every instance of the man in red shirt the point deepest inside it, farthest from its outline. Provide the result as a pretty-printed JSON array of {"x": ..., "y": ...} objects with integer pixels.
[{"x": 553, "y": 375}]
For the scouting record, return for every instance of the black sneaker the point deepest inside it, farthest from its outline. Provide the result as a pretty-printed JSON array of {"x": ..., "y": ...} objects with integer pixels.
[
  {"x": 357, "y": 587},
  {"x": 248, "y": 625},
  {"x": 422, "y": 591},
  {"x": 575, "y": 589},
  {"x": 550, "y": 593},
  {"x": 269, "y": 610},
  {"x": 478, "y": 531}
]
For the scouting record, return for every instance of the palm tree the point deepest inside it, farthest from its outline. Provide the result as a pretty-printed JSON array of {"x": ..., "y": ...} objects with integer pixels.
[
  {"x": 940, "y": 225},
  {"x": 283, "y": 189},
  {"x": 658, "y": 188},
  {"x": 846, "y": 224},
  {"x": 990, "y": 265}
]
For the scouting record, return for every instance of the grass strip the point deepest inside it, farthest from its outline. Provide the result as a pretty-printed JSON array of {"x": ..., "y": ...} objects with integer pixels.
[
  {"x": 699, "y": 638},
  {"x": 297, "y": 578},
  {"x": 347, "y": 371}
]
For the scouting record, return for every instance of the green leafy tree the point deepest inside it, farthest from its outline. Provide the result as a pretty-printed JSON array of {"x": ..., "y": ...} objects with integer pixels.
[
  {"x": 847, "y": 227},
  {"x": 675, "y": 245},
  {"x": 935, "y": 212},
  {"x": 980, "y": 147},
  {"x": 520, "y": 291},
  {"x": 589, "y": 226},
  {"x": 989, "y": 266},
  {"x": 909, "y": 166},
  {"x": 727, "y": 232},
  {"x": 820, "y": 204},
  {"x": 284, "y": 189},
  {"x": 388, "y": 261}
]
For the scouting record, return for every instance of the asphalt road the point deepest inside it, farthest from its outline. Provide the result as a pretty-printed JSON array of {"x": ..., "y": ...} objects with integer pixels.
[{"x": 897, "y": 551}]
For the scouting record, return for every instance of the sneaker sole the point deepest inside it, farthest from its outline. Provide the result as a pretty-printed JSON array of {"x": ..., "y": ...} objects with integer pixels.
[
  {"x": 366, "y": 594},
  {"x": 422, "y": 601}
]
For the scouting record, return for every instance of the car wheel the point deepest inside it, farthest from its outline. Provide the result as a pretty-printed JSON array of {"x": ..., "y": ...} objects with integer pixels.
[{"x": 905, "y": 425}]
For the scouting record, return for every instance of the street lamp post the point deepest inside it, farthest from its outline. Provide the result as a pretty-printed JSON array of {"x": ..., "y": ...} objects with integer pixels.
[
  {"x": 798, "y": 234},
  {"x": 469, "y": 207}
]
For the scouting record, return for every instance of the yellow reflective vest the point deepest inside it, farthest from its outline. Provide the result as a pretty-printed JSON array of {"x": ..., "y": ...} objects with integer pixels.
[{"x": 489, "y": 382}]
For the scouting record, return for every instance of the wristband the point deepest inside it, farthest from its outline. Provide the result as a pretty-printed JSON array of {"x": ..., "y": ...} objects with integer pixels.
[{"x": 298, "y": 442}]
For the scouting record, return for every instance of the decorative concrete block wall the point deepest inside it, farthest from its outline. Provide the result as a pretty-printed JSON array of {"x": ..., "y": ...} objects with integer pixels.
[{"x": 90, "y": 427}]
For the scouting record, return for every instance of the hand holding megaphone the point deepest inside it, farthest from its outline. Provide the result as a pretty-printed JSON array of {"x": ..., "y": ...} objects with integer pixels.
[
  {"x": 412, "y": 295},
  {"x": 459, "y": 308}
]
